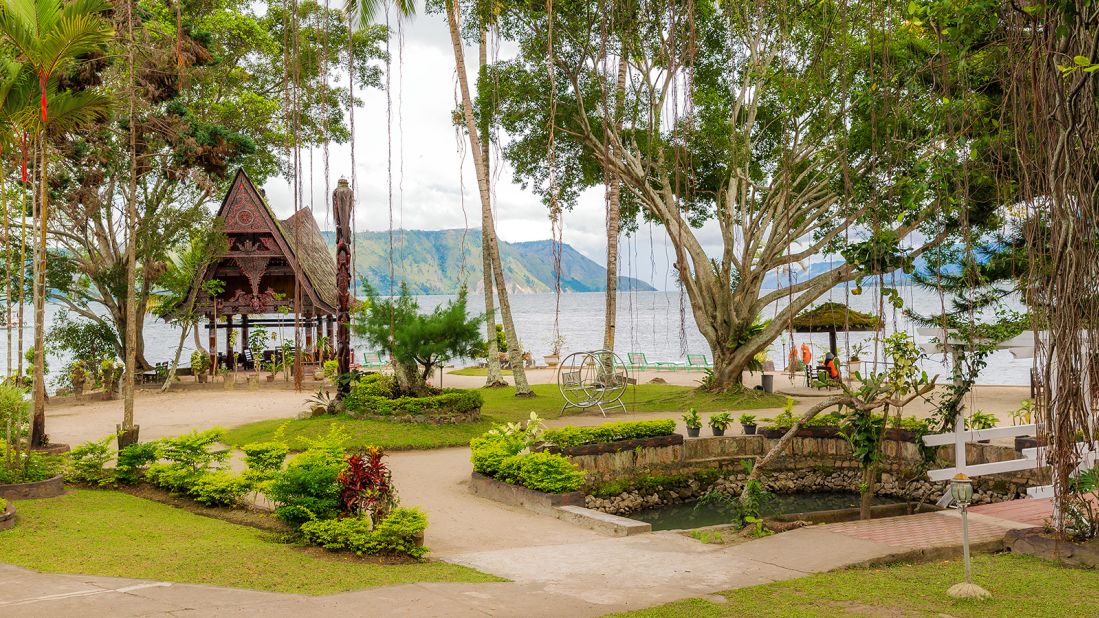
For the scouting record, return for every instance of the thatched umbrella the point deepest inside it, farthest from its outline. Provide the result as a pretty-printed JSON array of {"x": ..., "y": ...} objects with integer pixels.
[{"x": 832, "y": 317}]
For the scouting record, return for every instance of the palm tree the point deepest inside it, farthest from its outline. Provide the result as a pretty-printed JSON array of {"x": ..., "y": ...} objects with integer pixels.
[
  {"x": 47, "y": 35},
  {"x": 488, "y": 227}
]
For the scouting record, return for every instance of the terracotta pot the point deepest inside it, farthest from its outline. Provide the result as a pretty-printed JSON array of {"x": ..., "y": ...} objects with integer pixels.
[
  {"x": 201, "y": 377},
  {"x": 552, "y": 360}
]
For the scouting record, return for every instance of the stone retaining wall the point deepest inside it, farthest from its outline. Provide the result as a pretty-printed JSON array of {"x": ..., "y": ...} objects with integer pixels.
[
  {"x": 809, "y": 464},
  {"x": 49, "y": 488}
]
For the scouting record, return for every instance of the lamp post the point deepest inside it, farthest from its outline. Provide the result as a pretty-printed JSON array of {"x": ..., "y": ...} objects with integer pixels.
[{"x": 961, "y": 489}]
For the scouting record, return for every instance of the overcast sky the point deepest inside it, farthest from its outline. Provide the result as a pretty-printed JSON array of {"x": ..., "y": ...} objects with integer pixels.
[{"x": 434, "y": 185}]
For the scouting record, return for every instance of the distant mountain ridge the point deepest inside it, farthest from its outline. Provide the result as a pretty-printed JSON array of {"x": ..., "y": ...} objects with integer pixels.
[{"x": 438, "y": 261}]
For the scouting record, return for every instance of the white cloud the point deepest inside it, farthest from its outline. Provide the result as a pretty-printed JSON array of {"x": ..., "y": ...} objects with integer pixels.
[{"x": 430, "y": 184}]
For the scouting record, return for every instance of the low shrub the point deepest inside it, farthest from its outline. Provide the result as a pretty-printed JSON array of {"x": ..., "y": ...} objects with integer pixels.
[
  {"x": 397, "y": 534},
  {"x": 369, "y": 385},
  {"x": 309, "y": 488},
  {"x": 3, "y": 505},
  {"x": 218, "y": 489},
  {"x": 132, "y": 461},
  {"x": 87, "y": 463},
  {"x": 488, "y": 451},
  {"x": 264, "y": 460},
  {"x": 565, "y": 437},
  {"x": 331, "y": 369},
  {"x": 366, "y": 485},
  {"x": 186, "y": 459},
  {"x": 548, "y": 472},
  {"x": 453, "y": 401},
  {"x": 35, "y": 467}
]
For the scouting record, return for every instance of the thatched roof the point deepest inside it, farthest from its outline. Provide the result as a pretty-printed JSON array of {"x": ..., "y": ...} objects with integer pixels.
[
  {"x": 316, "y": 262},
  {"x": 835, "y": 316}
]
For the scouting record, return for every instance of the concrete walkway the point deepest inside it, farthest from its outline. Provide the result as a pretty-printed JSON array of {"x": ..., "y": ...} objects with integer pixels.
[
  {"x": 555, "y": 568},
  {"x": 585, "y": 577}
]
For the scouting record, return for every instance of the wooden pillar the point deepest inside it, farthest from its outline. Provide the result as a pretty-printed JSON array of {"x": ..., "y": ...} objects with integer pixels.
[
  {"x": 309, "y": 337},
  {"x": 331, "y": 330},
  {"x": 229, "y": 360},
  {"x": 213, "y": 343},
  {"x": 243, "y": 332},
  {"x": 320, "y": 335}
]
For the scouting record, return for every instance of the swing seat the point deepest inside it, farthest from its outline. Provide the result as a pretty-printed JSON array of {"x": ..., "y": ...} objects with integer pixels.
[{"x": 698, "y": 361}]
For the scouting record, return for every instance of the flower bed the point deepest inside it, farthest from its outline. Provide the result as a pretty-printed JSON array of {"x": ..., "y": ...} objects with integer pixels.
[
  {"x": 566, "y": 437},
  {"x": 505, "y": 454},
  {"x": 371, "y": 397}
]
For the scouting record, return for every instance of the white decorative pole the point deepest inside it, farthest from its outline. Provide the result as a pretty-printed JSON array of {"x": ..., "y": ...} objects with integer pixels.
[{"x": 961, "y": 488}]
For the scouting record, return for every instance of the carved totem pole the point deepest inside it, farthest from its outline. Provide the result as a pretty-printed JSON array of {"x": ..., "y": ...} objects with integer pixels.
[{"x": 343, "y": 202}]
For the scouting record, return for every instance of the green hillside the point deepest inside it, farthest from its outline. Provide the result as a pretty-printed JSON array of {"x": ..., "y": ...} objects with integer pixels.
[{"x": 436, "y": 262}]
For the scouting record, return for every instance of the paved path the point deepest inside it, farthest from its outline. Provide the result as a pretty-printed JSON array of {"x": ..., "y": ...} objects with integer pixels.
[
  {"x": 584, "y": 577},
  {"x": 555, "y": 568}
]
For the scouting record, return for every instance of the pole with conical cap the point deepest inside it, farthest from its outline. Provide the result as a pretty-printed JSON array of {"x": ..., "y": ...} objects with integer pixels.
[{"x": 343, "y": 202}]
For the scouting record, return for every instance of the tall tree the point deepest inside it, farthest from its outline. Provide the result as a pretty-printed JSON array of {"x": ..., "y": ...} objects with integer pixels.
[
  {"x": 48, "y": 35},
  {"x": 488, "y": 225},
  {"x": 780, "y": 123}
]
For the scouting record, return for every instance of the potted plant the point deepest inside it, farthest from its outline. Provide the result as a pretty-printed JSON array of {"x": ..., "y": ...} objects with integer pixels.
[
  {"x": 271, "y": 367},
  {"x": 200, "y": 365},
  {"x": 748, "y": 422},
  {"x": 693, "y": 422},
  {"x": 857, "y": 350},
  {"x": 981, "y": 420},
  {"x": 720, "y": 422},
  {"x": 229, "y": 379},
  {"x": 78, "y": 376},
  {"x": 109, "y": 372},
  {"x": 554, "y": 357}
]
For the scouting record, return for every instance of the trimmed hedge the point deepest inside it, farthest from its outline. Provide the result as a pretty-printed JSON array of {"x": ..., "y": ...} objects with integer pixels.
[
  {"x": 565, "y": 437},
  {"x": 500, "y": 457},
  {"x": 549, "y": 472},
  {"x": 451, "y": 401}
]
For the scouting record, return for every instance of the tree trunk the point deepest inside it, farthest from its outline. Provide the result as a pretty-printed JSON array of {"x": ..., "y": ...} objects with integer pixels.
[
  {"x": 866, "y": 491},
  {"x": 614, "y": 199},
  {"x": 198, "y": 344},
  {"x": 179, "y": 350},
  {"x": 495, "y": 377},
  {"x": 38, "y": 426},
  {"x": 7, "y": 270},
  {"x": 780, "y": 446},
  {"x": 488, "y": 228},
  {"x": 127, "y": 426},
  {"x": 23, "y": 273}
]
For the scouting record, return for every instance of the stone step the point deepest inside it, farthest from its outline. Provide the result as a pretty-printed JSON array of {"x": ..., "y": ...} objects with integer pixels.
[{"x": 603, "y": 523}]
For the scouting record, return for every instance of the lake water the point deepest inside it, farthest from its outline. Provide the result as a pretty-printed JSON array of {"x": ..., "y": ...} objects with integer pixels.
[{"x": 656, "y": 323}]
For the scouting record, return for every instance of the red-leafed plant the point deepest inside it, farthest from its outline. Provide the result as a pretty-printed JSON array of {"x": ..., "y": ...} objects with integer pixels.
[{"x": 366, "y": 485}]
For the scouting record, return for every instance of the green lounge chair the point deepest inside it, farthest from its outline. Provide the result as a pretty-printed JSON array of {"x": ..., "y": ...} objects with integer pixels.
[
  {"x": 698, "y": 361},
  {"x": 638, "y": 362},
  {"x": 374, "y": 360}
]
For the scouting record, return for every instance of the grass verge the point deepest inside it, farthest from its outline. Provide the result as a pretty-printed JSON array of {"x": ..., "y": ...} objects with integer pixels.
[
  {"x": 109, "y": 533},
  {"x": 501, "y": 405},
  {"x": 1020, "y": 585}
]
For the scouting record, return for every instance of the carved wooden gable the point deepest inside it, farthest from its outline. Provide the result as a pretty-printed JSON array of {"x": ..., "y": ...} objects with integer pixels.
[{"x": 259, "y": 267}]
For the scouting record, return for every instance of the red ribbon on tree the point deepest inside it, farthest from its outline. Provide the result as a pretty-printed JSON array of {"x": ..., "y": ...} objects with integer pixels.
[{"x": 42, "y": 79}]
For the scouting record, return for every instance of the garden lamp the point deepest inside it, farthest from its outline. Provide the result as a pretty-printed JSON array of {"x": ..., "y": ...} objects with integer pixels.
[{"x": 961, "y": 489}]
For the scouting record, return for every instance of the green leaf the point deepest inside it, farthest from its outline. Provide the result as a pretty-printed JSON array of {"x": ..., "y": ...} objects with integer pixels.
[{"x": 1082, "y": 61}]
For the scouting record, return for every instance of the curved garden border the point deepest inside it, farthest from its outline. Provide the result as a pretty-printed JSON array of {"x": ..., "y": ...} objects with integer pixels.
[
  {"x": 7, "y": 518},
  {"x": 49, "y": 488}
]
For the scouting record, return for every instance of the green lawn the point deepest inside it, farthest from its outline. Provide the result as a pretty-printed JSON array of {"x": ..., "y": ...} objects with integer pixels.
[
  {"x": 501, "y": 405},
  {"x": 114, "y": 534},
  {"x": 1020, "y": 586},
  {"x": 477, "y": 371}
]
